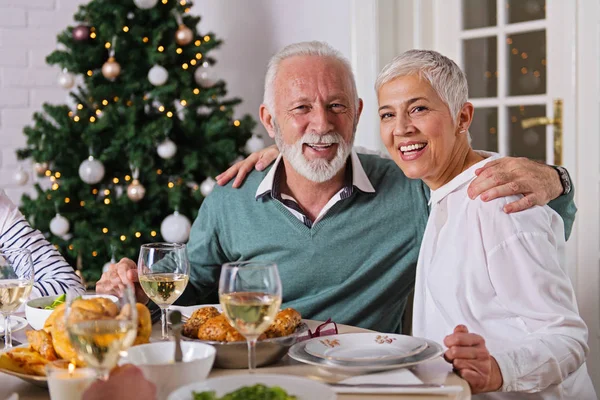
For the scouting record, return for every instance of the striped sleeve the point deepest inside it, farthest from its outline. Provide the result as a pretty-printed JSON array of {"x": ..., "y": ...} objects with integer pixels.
[{"x": 52, "y": 274}]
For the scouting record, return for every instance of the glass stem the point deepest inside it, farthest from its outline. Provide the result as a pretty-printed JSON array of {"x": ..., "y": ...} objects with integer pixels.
[
  {"x": 251, "y": 354},
  {"x": 163, "y": 319},
  {"x": 103, "y": 374},
  {"x": 7, "y": 332}
]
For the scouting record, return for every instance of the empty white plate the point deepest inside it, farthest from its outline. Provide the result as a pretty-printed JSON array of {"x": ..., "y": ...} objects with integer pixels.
[
  {"x": 365, "y": 347},
  {"x": 16, "y": 324},
  {"x": 302, "y": 388}
]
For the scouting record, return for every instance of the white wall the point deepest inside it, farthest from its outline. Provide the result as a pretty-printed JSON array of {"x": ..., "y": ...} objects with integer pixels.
[{"x": 252, "y": 31}]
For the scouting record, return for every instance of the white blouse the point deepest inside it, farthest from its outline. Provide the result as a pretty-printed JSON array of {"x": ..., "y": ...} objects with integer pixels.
[
  {"x": 52, "y": 274},
  {"x": 503, "y": 277}
]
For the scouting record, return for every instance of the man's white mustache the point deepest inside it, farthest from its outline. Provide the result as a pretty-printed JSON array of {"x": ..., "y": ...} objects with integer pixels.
[{"x": 315, "y": 138}]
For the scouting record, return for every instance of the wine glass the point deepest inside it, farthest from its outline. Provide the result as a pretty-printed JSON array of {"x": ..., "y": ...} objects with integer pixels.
[
  {"x": 16, "y": 281},
  {"x": 250, "y": 295},
  {"x": 163, "y": 272},
  {"x": 100, "y": 330}
]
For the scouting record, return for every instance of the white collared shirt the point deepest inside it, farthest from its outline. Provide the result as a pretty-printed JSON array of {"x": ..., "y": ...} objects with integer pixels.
[
  {"x": 502, "y": 275},
  {"x": 360, "y": 180}
]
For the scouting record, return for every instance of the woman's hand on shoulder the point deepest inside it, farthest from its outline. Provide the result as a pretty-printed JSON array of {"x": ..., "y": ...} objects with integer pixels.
[{"x": 240, "y": 170}]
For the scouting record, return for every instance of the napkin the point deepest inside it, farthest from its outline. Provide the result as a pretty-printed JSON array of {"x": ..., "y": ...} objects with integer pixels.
[{"x": 398, "y": 376}]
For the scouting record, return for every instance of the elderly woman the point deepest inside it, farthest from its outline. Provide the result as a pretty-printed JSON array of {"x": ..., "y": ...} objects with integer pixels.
[{"x": 480, "y": 269}]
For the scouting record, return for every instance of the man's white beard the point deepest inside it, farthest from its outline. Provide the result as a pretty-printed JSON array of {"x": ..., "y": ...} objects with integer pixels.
[{"x": 318, "y": 170}]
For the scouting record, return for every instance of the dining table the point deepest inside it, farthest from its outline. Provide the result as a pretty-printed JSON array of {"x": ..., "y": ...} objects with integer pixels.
[{"x": 434, "y": 371}]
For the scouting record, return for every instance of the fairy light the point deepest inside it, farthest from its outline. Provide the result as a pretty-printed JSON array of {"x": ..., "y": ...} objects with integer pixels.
[
  {"x": 49, "y": 197},
  {"x": 222, "y": 108},
  {"x": 94, "y": 191},
  {"x": 116, "y": 98},
  {"x": 169, "y": 114},
  {"x": 107, "y": 201},
  {"x": 82, "y": 203},
  {"x": 55, "y": 186},
  {"x": 193, "y": 62},
  {"x": 183, "y": 103},
  {"x": 145, "y": 39},
  {"x": 183, "y": 3},
  {"x": 524, "y": 56},
  {"x": 515, "y": 51},
  {"x": 536, "y": 74},
  {"x": 161, "y": 49},
  {"x": 104, "y": 230},
  {"x": 106, "y": 192},
  {"x": 93, "y": 35},
  {"x": 129, "y": 103},
  {"x": 185, "y": 66},
  {"x": 127, "y": 178},
  {"x": 138, "y": 234},
  {"x": 57, "y": 175},
  {"x": 67, "y": 200},
  {"x": 198, "y": 42},
  {"x": 92, "y": 119},
  {"x": 509, "y": 40},
  {"x": 80, "y": 106},
  {"x": 196, "y": 91},
  {"x": 199, "y": 56},
  {"x": 107, "y": 45},
  {"x": 161, "y": 108},
  {"x": 94, "y": 253},
  {"x": 52, "y": 179},
  {"x": 165, "y": 1},
  {"x": 123, "y": 238},
  {"x": 187, "y": 10},
  {"x": 236, "y": 123},
  {"x": 71, "y": 247},
  {"x": 159, "y": 172},
  {"x": 206, "y": 38},
  {"x": 115, "y": 180},
  {"x": 153, "y": 233},
  {"x": 125, "y": 29},
  {"x": 179, "y": 50},
  {"x": 98, "y": 112},
  {"x": 70, "y": 114},
  {"x": 48, "y": 172},
  {"x": 524, "y": 70},
  {"x": 171, "y": 185},
  {"x": 104, "y": 102}
]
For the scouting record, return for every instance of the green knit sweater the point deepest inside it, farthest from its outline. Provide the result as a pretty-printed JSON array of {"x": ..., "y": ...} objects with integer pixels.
[{"x": 356, "y": 265}]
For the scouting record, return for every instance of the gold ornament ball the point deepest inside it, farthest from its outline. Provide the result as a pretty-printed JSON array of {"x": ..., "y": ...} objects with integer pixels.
[
  {"x": 184, "y": 35},
  {"x": 40, "y": 168},
  {"x": 136, "y": 191},
  {"x": 111, "y": 69}
]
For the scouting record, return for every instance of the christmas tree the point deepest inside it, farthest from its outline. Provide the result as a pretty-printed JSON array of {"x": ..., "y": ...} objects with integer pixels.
[{"x": 130, "y": 160}]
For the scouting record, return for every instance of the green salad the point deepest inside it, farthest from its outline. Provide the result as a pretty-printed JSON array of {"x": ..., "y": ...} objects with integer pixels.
[
  {"x": 58, "y": 301},
  {"x": 256, "y": 392}
]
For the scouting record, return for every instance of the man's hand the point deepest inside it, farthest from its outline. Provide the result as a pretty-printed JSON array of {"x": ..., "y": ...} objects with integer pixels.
[
  {"x": 472, "y": 361},
  {"x": 507, "y": 176},
  {"x": 125, "y": 383},
  {"x": 118, "y": 275},
  {"x": 259, "y": 160}
]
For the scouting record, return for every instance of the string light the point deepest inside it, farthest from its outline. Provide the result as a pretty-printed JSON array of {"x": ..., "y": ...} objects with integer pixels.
[
  {"x": 70, "y": 114},
  {"x": 106, "y": 192},
  {"x": 94, "y": 191},
  {"x": 509, "y": 40},
  {"x": 55, "y": 186},
  {"x": 222, "y": 108},
  {"x": 524, "y": 56},
  {"x": 107, "y": 45},
  {"x": 107, "y": 201},
  {"x": 104, "y": 102},
  {"x": 92, "y": 119},
  {"x": 171, "y": 185},
  {"x": 179, "y": 50},
  {"x": 123, "y": 238},
  {"x": 183, "y": 103},
  {"x": 198, "y": 42},
  {"x": 116, "y": 98},
  {"x": 193, "y": 62},
  {"x": 161, "y": 108},
  {"x": 182, "y": 2},
  {"x": 187, "y": 10},
  {"x": 48, "y": 172},
  {"x": 67, "y": 200},
  {"x": 127, "y": 178},
  {"x": 196, "y": 91},
  {"x": 49, "y": 197},
  {"x": 153, "y": 233},
  {"x": 161, "y": 49},
  {"x": 71, "y": 247},
  {"x": 80, "y": 106},
  {"x": 105, "y": 230},
  {"x": 199, "y": 56},
  {"x": 236, "y": 123},
  {"x": 82, "y": 203},
  {"x": 115, "y": 180},
  {"x": 169, "y": 114},
  {"x": 52, "y": 179},
  {"x": 544, "y": 62},
  {"x": 536, "y": 74},
  {"x": 165, "y": 1},
  {"x": 93, "y": 35},
  {"x": 129, "y": 103},
  {"x": 515, "y": 51},
  {"x": 125, "y": 29},
  {"x": 185, "y": 66},
  {"x": 159, "y": 172},
  {"x": 57, "y": 175},
  {"x": 145, "y": 39},
  {"x": 94, "y": 253},
  {"x": 524, "y": 70},
  {"x": 206, "y": 38},
  {"x": 138, "y": 234}
]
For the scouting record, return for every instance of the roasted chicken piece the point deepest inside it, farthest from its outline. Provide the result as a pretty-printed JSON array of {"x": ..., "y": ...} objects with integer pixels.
[
  {"x": 216, "y": 329},
  {"x": 285, "y": 323},
  {"x": 41, "y": 341},
  {"x": 197, "y": 319},
  {"x": 144, "y": 329},
  {"x": 24, "y": 360}
]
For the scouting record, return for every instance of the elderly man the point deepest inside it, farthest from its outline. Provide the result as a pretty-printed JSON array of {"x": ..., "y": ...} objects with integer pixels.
[{"x": 344, "y": 229}]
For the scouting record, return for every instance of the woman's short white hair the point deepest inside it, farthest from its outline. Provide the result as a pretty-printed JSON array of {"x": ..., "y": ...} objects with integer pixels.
[
  {"x": 444, "y": 76},
  {"x": 314, "y": 48}
]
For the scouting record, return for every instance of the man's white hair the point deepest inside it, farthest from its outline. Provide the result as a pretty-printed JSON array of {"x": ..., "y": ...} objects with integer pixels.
[
  {"x": 444, "y": 76},
  {"x": 314, "y": 48}
]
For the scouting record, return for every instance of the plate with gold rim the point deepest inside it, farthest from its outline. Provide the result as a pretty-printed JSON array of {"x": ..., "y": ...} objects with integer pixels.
[{"x": 362, "y": 347}]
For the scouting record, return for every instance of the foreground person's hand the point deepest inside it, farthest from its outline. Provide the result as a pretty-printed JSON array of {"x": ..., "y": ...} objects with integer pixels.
[
  {"x": 118, "y": 275},
  {"x": 538, "y": 183},
  {"x": 125, "y": 383},
  {"x": 472, "y": 361},
  {"x": 240, "y": 170}
]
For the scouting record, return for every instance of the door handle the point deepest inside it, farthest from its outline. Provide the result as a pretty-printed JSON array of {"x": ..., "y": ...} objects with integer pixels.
[{"x": 558, "y": 128}]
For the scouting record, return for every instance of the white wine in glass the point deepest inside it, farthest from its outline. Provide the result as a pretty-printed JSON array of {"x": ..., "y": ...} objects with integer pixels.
[
  {"x": 250, "y": 294},
  {"x": 163, "y": 272},
  {"x": 99, "y": 339},
  {"x": 16, "y": 281}
]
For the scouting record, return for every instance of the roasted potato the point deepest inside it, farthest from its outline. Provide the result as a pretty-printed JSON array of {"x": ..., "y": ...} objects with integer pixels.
[
  {"x": 285, "y": 323},
  {"x": 197, "y": 319}
]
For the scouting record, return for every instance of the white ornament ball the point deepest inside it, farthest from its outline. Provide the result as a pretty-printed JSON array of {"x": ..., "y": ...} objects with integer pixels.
[
  {"x": 175, "y": 228},
  {"x": 206, "y": 187},
  {"x": 66, "y": 80},
  {"x": 21, "y": 177},
  {"x": 91, "y": 171},
  {"x": 145, "y": 4},
  {"x": 166, "y": 149},
  {"x": 136, "y": 191},
  {"x": 254, "y": 144},
  {"x": 59, "y": 225},
  {"x": 41, "y": 168},
  {"x": 158, "y": 75},
  {"x": 202, "y": 77}
]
